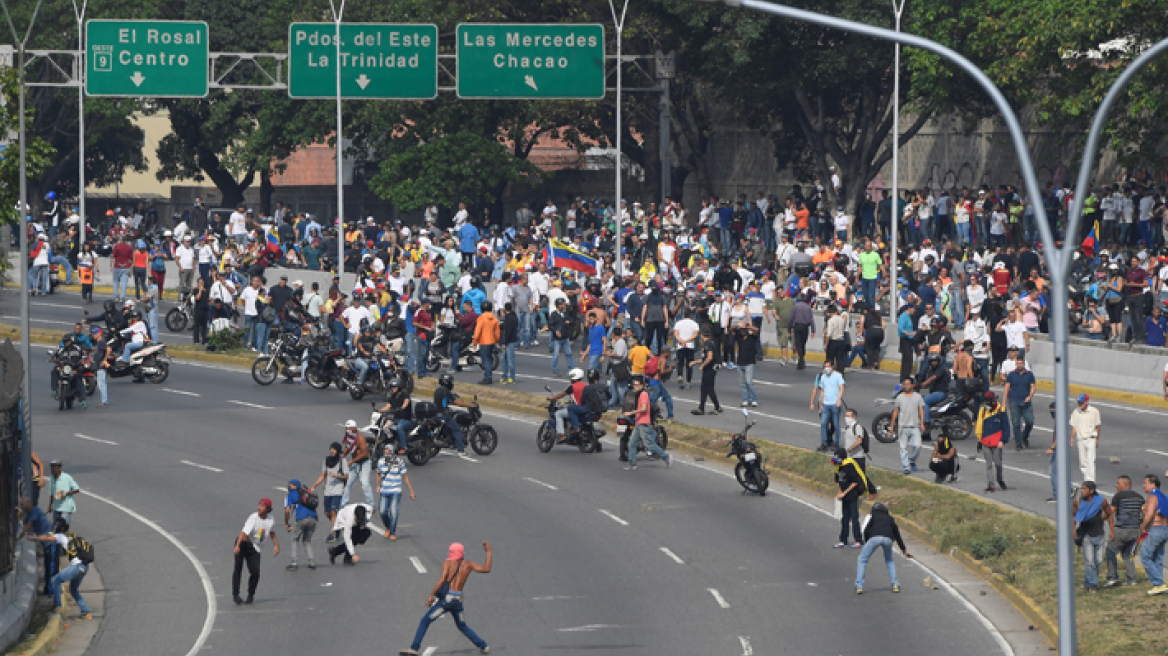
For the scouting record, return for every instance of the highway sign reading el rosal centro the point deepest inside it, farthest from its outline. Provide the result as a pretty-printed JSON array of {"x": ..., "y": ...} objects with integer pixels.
[
  {"x": 530, "y": 61},
  {"x": 146, "y": 58}
]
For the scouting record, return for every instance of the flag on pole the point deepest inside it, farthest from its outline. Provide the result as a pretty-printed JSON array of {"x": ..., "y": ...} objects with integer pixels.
[
  {"x": 273, "y": 241},
  {"x": 1091, "y": 241},
  {"x": 561, "y": 255}
]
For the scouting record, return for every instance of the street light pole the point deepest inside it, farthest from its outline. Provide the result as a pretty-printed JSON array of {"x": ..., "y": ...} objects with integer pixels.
[
  {"x": 619, "y": 23},
  {"x": 81, "y": 116},
  {"x": 894, "y": 207},
  {"x": 337, "y": 17}
]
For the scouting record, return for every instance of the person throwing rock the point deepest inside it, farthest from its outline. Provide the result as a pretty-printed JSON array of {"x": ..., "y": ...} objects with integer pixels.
[{"x": 446, "y": 597}]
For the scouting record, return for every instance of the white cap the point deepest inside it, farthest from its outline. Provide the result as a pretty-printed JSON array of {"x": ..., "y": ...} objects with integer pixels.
[
  {"x": 350, "y": 424},
  {"x": 298, "y": 283}
]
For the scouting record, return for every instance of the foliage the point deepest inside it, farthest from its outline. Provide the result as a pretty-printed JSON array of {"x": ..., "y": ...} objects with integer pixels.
[
  {"x": 39, "y": 154},
  {"x": 225, "y": 341},
  {"x": 995, "y": 546},
  {"x": 459, "y": 167}
]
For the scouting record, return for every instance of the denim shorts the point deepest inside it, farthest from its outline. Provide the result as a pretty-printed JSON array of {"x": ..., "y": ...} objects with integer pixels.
[{"x": 332, "y": 504}]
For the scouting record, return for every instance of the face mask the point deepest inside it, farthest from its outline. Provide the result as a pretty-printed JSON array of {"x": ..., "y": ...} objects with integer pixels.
[
  {"x": 689, "y": 294},
  {"x": 827, "y": 370},
  {"x": 849, "y": 422}
]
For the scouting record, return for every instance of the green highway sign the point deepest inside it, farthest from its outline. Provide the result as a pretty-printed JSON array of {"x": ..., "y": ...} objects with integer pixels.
[
  {"x": 146, "y": 58},
  {"x": 530, "y": 61},
  {"x": 378, "y": 60}
]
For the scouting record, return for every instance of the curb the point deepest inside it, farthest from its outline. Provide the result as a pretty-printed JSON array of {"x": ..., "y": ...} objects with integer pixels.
[{"x": 45, "y": 642}]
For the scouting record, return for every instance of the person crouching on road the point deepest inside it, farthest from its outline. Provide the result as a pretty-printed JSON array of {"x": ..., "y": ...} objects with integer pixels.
[
  {"x": 993, "y": 431},
  {"x": 305, "y": 518},
  {"x": 642, "y": 418},
  {"x": 880, "y": 530},
  {"x": 351, "y": 529},
  {"x": 248, "y": 546},
  {"x": 852, "y": 483}
]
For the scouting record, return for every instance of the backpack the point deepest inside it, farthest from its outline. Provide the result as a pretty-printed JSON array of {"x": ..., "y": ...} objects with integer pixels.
[
  {"x": 308, "y": 499},
  {"x": 652, "y": 365},
  {"x": 79, "y": 548},
  {"x": 595, "y": 398},
  {"x": 268, "y": 314}
]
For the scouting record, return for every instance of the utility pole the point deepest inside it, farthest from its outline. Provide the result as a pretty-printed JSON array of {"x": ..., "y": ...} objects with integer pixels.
[
  {"x": 894, "y": 208},
  {"x": 80, "y": 77},
  {"x": 665, "y": 72},
  {"x": 619, "y": 23},
  {"x": 337, "y": 17}
]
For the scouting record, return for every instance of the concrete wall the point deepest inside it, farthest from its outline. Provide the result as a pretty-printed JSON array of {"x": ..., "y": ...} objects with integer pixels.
[
  {"x": 18, "y": 595},
  {"x": 1137, "y": 369}
]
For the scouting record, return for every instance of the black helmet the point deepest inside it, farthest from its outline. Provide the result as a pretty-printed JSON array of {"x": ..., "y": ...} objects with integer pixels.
[
  {"x": 109, "y": 305},
  {"x": 934, "y": 357},
  {"x": 593, "y": 375},
  {"x": 447, "y": 381},
  {"x": 475, "y": 281},
  {"x": 394, "y": 383}
]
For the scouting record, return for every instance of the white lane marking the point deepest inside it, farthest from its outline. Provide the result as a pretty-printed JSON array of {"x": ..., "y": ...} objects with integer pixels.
[
  {"x": 208, "y": 589},
  {"x": 1159, "y": 453},
  {"x": 677, "y": 559},
  {"x": 747, "y": 650},
  {"x": 430, "y": 651},
  {"x": 418, "y": 564},
  {"x": 537, "y": 482},
  {"x": 463, "y": 456},
  {"x": 195, "y": 464},
  {"x": 94, "y": 439},
  {"x": 718, "y": 597},
  {"x": 32, "y": 320},
  {"x": 174, "y": 391},
  {"x": 767, "y": 382},
  {"x": 250, "y": 405},
  {"x": 613, "y": 517},
  {"x": 588, "y": 627}
]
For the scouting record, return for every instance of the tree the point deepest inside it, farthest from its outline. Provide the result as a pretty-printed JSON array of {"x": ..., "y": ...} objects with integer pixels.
[{"x": 39, "y": 154}]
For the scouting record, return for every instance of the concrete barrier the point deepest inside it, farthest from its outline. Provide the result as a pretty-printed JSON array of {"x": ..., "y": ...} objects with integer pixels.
[{"x": 18, "y": 590}]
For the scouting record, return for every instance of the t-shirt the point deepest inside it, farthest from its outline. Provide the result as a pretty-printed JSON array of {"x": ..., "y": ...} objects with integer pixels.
[
  {"x": 335, "y": 487},
  {"x": 747, "y": 348},
  {"x": 638, "y": 356},
  {"x": 1015, "y": 332},
  {"x": 238, "y": 223},
  {"x": 257, "y": 529},
  {"x": 292, "y": 500},
  {"x": 870, "y": 265},
  {"x": 63, "y": 483},
  {"x": 1128, "y": 506},
  {"x": 909, "y": 410},
  {"x": 687, "y": 330},
  {"x": 63, "y": 542},
  {"x": 831, "y": 384},
  {"x": 39, "y": 520},
  {"x": 1019, "y": 385},
  {"x": 1086, "y": 423},
  {"x": 391, "y": 475},
  {"x": 249, "y": 296}
]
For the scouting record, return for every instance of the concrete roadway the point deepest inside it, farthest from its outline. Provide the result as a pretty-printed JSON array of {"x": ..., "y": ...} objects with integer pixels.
[{"x": 587, "y": 556}]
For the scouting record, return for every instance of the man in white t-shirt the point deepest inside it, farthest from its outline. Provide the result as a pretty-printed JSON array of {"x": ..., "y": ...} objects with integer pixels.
[
  {"x": 237, "y": 226},
  {"x": 539, "y": 281},
  {"x": 461, "y": 216},
  {"x": 184, "y": 257},
  {"x": 248, "y": 546},
  {"x": 550, "y": 210},
  {"x": 248, "y": 296},
  {"x": 685, "y": 332}
]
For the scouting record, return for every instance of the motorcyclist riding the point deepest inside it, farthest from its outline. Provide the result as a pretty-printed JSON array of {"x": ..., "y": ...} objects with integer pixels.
[
  {"x": 398, "y": 411},
  {"x": 575, "y": 411},
  {"x": 137, "y": 336},
  {"x": 394, "y": 330},
  {"x": 70, "y": 351},
  {"x": 78, "y": 337},
  {"x": 367, "y": 348},
  {"x": 444, "y": 398},
  {"x": 935, "y": 378}
]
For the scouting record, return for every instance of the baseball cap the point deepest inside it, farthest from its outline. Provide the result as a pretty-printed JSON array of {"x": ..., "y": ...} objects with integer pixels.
[{"x": 1083, "y": 398}]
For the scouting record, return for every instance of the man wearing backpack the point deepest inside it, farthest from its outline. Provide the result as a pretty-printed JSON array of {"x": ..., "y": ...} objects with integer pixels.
[
  {"x": 993, "y": 431},
  {"x": 80, "y": 554},
  {"x": 301, "y": 505},
  {"x": 656, "y": 368}
]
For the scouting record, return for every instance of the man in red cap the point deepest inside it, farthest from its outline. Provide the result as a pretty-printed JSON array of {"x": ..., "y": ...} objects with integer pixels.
[
  {"x": 446, "y": 597},
  {"x": 248, "y": 545}
]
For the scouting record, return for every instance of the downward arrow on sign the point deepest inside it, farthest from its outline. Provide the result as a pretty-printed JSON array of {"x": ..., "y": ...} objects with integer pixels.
[
  {"x": 363, "y": 81},
  {"x": 137, "y": 78}
]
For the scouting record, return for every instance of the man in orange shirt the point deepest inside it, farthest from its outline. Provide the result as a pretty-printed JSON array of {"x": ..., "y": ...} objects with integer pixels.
[{"x": 486, "y": 335}]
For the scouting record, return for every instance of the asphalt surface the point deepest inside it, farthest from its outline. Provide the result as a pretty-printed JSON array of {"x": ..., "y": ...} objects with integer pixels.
[{"x": 587, "y": 556}]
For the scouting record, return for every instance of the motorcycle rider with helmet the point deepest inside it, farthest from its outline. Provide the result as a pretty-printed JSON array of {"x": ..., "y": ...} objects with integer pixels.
[
  {"x": 935, "y": 377},
  {"x": 137, "y": 337},
  {"x": 367, "y": 347},
  {"x": 574, "y": 411},
  {"x": 70, "y": 352},
  {"x": 444, "y": 398},
  {"x": 398, "y": 411}
]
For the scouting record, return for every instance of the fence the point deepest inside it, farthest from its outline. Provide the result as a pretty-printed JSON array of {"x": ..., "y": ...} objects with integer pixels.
[{"x": 11, "y": 432}]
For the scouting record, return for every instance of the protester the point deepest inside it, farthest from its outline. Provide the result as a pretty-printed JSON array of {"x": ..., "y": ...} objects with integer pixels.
[
  {"x": 880, "y": 530},
  {"x": 249, "y": 544}
]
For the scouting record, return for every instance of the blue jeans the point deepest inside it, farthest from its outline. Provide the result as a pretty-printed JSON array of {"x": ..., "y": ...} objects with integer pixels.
[
  {"x": 60, "y": 260},
  {"x": 866, "y": 553},
  {"x": 926, "y": 230},
  {"x": 930, "y": 399},
  {"x": 1021, "y": 420},
  {"x": 909, "y": 440},
  {"x": 727, "y": 239},
  {"x": 526, "y": 328},
  {"x": 509, "y": 362},
  {"x": 1152, "y": 554},
  {"x": 455, "y": 348},
  {"x": 389, "y": 506},
  {"x": 358, "y": 471},
  {"x": 638, "y": 330},
  {"x": 38, "y": 278},
  {"x": 72, "y": 575},
  {"x": 260, "y": 334},
  {"x": 746, "y": 382},
  {"x": 617, "y": 390},
  {"x": 451, "y": 604},
  {"x": 963, "y": 234},
  {"x": 830, "y": 412},
  {"x": 1093, "y": 548},
  {"x": 957, "y": 307},
  {"x": 565, "y": 346},
  {"x": 984, "y": 364},
  {"x": 361, "y": 366},
  {"x": 456, "y": 431},
  {"x": 121, "y": 279},
  {"x": 101, "y": 386},
  {"x": 659, "y": 392},
  {"x": 403, "y": 430},
  {"x": 131, "y": 347},
  {"x": 411, "y": 352},
  {"x": 869, "y": 289},
  {"x": 249, "y": 322},
  {"x": 488, "y": 353},
  {"x": 423, "y": 354},
  {"x": 340, "y": 335},
  {"x": 578, "y": 413},
  {"x": 647, "y": 434},
  {"x": 594, "y": 362},
  {"x": 858, "y": 351}
]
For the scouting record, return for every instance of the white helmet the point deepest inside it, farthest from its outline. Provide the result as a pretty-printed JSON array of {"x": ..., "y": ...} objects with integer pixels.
[
  {"x": 350, "y": 424},
  {"x": 576, "y": 375},
  {"x": 167, "y": 233}
]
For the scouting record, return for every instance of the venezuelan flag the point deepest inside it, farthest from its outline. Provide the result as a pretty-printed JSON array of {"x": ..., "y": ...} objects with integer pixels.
[
  {"x": 561, "y": 255},
  {"x": 273, "y": 241},
  {"x": 1091, "y": 241}
]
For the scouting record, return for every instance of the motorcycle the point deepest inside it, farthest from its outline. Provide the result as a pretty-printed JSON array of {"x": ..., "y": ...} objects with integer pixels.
[
  {"x": 749, "y": 471},
  {"x": 624, "y": 429},
  {"x": 431, "y": 430},
  {"x": 587, "y": 439},
  {"x": 182, "y": 314},
  {"x": 382, "y": 369},
  {"x": 383, "y": 434},
  {"x": 953, "y": 417},
  {"x": 468, "y": 354},
  {"x": 69, "y": 367},
  {"x": 280, "y": 359},
  {"x": 326, "y": 366}
]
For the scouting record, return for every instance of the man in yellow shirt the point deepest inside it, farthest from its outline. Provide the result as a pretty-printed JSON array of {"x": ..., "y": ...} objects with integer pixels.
[{"x": 639, "y": 354}]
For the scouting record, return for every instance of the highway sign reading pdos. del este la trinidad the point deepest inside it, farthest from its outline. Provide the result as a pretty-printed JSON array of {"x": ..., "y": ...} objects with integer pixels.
[
  {"x": 146, "y": 58},
  {"x": 378, "y": 61},
  {"x": 530, "y": 61}
]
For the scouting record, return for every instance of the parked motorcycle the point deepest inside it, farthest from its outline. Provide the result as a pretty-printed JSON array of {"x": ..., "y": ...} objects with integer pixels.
[
  {"x": 953, "y": 417},
  {"x": 749, "y": 471},
  {"x": 181, "y": 315},
  {"x": 624, "y": 429},
  {"x": 281, "y": 359},
  {"x": 587, "y": 439}
]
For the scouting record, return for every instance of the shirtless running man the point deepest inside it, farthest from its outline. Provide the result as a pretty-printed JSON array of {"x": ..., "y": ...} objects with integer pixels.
[{"x": 446, "y": 597}]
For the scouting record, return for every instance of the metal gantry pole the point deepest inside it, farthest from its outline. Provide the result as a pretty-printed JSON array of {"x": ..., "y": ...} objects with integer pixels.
[
  {"x": 337, "y": 17},
  {"x": 1057, "y": 261},
  {"x": 894, "y": 207},
  {"x": 81, "y": 116},
  {"x": 25, "y": 329},
  {"x": 619, "y": 24}
]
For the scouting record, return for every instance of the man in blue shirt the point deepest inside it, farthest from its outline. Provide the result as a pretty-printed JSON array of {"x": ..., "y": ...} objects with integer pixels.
[
  {"x": 829, "y": 387},
  {"x": 1154, "y": 327},
  {"x": 906, "y": 329},
  {"x": 597, "y": 342},
  {"x": 305, "y": 518},
  {"x": 468, "y": 236},
  {"x": 1019, "y": 392},
  {"x": 37, "y": 523}
]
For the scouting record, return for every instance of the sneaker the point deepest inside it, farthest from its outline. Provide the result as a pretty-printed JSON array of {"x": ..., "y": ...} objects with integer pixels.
[
  {"x": 485, "y": 650},
  {"x": 784, "y": 363},
  {"x": 668, "y": 461},
  {"x": 953, "y": 479},
  {"x": 630, "y": 468},
  {"x": 906, "y": 472},
  {"x": 237, "y": 599},
  {"x": 746, "y": 404},
  {"x": 697, "y": 411},
  {"x": 896, "y": 588},
  {"x": 730, "y": 366},
  {"x": 1052, "y": 500},
  {"x": 938, "y": 480},
  {"x": 1131, "y": 583},
  {"x": 716, "y": 411},
  {"x": 535, "y": 343},
  {"x": 856, "y": 545},
  {"x": 86, "y": 617},
  {"x": 754, "y": 404},
  {"x": 838, "y": 545},
  {"x": 408, "y": 652},
  {"x": 291, "y": 567},
  {"x": 1111, "y": 583},
  {"x": 1002, "y": 484},
  {"x": 859, "y": 591},
  {"x": 311, "y": 565},
  {"x": 914, "y": 466},
  {"x": 1158, "y": 590},
  {"x": 989, "y": 488}
]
